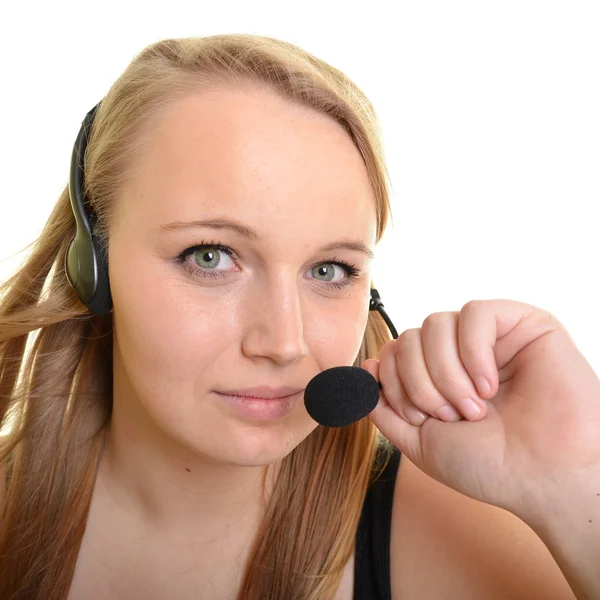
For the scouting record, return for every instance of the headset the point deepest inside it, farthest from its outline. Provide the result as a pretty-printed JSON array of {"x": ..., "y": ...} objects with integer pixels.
[{"x": 86, "y": 263}]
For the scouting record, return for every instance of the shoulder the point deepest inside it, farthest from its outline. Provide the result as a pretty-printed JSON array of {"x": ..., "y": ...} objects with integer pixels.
[{"x": 445, "y": 544}]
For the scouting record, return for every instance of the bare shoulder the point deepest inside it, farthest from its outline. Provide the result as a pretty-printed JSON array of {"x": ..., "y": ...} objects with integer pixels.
[{"x": 447, "y": 546}]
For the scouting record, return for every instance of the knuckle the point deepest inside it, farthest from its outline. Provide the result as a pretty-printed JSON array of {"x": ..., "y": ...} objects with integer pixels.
[
  {"x": 547, "y": 319},
  {"x": 386, "y": 349},
  {"x": 406, "y": 339},
  {"x": 437, "y": 318},
  {"x": 472, "y": 306}
]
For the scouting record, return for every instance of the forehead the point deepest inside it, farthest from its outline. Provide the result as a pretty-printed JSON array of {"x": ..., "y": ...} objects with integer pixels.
[{"x": 250, "y": 153}]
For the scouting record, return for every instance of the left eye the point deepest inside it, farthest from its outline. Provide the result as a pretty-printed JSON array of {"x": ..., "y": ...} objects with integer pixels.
[{"x": 209, "y": 254}]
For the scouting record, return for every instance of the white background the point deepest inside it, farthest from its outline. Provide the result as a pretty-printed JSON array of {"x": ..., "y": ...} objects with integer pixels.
[{"x": 490, "y": 113}]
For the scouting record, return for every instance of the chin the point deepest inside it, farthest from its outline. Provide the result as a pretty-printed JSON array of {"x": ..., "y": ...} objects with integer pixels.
[{"x": 253, "y": 446}]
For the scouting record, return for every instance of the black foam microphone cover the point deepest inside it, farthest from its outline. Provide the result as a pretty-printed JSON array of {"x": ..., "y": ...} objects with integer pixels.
[{"x": 342, "y": 395}]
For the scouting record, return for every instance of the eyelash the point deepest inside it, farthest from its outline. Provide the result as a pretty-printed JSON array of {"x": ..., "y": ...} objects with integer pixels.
[{"x": 352, "y": 271}]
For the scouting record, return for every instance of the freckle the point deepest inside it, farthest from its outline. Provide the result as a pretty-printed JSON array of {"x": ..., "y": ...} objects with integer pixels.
[
  {"x": 190, "y": 472},
  {"x": 590, "y": 520}
]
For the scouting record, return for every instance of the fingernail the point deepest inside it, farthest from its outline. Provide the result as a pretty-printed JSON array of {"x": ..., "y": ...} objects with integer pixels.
[
  {"x": 468, "y": 407},
  {"x": 414, "y": 415},
  {"x": 482, "y": 384},
  {"x": 447, "y": 413}
]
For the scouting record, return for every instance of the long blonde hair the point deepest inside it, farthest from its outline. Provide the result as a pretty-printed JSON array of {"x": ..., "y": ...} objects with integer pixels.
[{"x": 56, "y": 357}]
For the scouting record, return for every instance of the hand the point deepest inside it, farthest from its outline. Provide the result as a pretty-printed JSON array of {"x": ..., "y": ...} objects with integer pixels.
[{"x": 539, "y": 425}]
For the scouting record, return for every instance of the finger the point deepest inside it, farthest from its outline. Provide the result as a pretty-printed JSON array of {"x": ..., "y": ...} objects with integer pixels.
[
  {"x": 392, "y": 386},
  {"x": 492, "y": 332},
  {"x": 394, "y": 427},
  {"x": 439, "y": 336},
  {"x": 412, "y": 369}
]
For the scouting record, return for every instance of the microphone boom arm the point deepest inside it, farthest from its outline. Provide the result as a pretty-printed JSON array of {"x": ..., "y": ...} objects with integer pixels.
[{"x": 376, "y": 304}]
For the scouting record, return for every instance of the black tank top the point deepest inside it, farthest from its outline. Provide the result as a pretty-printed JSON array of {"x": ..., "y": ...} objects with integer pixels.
[{"x": 372, "y": 555}]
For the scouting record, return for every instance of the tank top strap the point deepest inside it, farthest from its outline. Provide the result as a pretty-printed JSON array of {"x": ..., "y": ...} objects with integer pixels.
[{"x": 372, "y": 555}]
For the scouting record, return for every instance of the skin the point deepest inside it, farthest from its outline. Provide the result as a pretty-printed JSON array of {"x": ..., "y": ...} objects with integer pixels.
[{"x": 178, "y": 458}]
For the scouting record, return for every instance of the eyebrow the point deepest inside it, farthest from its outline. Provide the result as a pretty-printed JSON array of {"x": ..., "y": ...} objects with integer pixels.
[{"x": 345, "y": 243}]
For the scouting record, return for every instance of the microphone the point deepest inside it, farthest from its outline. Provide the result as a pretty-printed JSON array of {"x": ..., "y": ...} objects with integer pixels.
[{"x": 342, "y": 395}]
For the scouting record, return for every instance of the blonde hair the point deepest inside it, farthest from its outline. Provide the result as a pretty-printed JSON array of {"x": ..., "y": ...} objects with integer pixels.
[{"x": 56, "y": 357}]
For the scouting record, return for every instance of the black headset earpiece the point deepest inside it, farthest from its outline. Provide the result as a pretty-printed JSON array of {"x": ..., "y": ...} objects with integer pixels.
[{"x": 86, "y": 264}]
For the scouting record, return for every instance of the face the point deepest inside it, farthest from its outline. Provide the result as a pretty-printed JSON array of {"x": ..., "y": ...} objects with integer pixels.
[{"x": 200, "y": 309}]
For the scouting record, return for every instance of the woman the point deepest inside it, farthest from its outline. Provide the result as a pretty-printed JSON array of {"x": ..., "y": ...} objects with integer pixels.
[{"x": 236, "y": 188}]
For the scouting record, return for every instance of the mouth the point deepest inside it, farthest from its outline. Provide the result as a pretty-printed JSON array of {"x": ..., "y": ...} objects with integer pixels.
[
  {"x": 263, "y": 393},
  {"x": 262, "y": 409},
  {"x": 259, "y": 398}
]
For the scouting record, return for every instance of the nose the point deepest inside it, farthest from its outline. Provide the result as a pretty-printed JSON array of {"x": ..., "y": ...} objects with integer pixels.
[{"x": 275, "y": 323}]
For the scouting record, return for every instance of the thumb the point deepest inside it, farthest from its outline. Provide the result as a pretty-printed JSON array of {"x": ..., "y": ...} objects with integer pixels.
[{"x": 372, "y": 366}]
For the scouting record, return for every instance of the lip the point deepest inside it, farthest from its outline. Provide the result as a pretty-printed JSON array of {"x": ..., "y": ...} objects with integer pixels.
[
  {"x": 263, "y": 392},
  {"x": 261, "y": 409}
]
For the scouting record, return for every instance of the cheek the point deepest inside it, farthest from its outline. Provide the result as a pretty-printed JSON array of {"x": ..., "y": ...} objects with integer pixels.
[
  {"x": 336, "y": 336},
  {"x": 175, "y": 342},
  {"x": 168, "y": 335}
]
